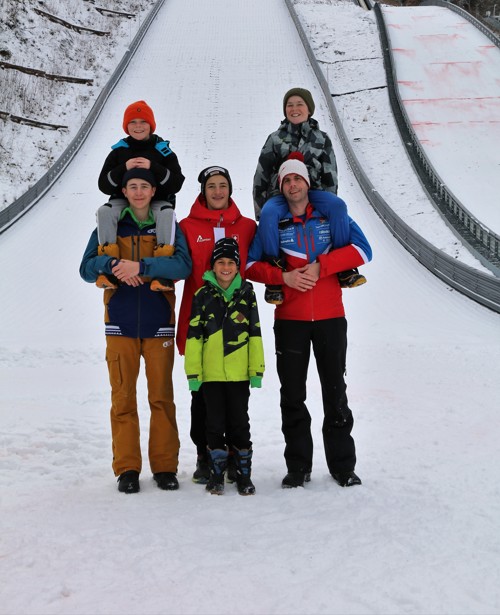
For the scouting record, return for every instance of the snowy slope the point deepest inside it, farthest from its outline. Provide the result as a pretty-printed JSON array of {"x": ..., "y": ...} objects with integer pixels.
[
  {"x": 421, "y": 534},
  {"x": 448, "y": 76},
  {"x": 29, "y": 39},
  {"x": 346, "y": 43}
]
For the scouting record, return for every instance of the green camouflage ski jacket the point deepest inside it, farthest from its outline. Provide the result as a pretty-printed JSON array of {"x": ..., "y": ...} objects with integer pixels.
[{"x": 224, "y": 342}]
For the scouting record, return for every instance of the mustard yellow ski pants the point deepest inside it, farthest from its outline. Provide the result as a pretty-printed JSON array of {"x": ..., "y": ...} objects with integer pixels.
[{"x": 123, "y": 356}]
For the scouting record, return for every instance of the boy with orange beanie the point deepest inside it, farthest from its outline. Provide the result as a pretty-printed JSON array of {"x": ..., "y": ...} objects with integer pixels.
[{"x": 145, "y": 150}]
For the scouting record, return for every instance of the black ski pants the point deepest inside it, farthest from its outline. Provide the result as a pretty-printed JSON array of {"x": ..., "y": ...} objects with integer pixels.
[
  {"x": 227, "y": 414},
  {"x": 198, "y": 429},
  {"x": 293, "y": 340}
]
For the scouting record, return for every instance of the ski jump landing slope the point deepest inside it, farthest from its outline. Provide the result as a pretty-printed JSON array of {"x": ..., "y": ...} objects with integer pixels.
[
  {"x": 448, "y": 74},
  {"x": 215, "y": 74}
]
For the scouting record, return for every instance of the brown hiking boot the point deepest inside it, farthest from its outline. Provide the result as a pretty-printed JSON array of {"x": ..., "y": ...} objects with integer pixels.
[
  {"x": 162, "y": 285},
  {"x": 351, "y": 278},
  {"x": 108, "y": 281},
  {"x": 274, "y": 294}
]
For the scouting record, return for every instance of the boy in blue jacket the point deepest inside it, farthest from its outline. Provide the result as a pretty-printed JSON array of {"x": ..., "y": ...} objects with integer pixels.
[{"x": 140, "y": 323}]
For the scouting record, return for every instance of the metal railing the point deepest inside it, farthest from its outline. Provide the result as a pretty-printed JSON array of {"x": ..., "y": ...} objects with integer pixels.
[
  {"x": 26, "y": 201},
  {"x": 463, "y": 13},
  {"x": 479, "y": 286}
]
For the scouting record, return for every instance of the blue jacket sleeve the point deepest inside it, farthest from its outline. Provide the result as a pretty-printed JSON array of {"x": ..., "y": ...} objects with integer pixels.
[
  {"x": 272, "y": 212},
  {"x": 255, "y": 251},
  {"x": 357, "y": 238},
  {"x": 335, "y": 210},
  {"x": 92, "y": 265},
  {"x": 176, "y": 267},
  {"x": 343, "y": 228}
]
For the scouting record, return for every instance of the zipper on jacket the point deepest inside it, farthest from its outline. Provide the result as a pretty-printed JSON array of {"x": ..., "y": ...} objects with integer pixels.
[
  {"x": 224, "y": 318},
  {"x": 136, "y": 247},
  {"x": 311, "y": 241},
  {"x": 308, "y": 245}
]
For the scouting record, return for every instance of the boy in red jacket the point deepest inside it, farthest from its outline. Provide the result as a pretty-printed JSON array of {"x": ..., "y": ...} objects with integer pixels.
[{"x": 214, "y": 215}]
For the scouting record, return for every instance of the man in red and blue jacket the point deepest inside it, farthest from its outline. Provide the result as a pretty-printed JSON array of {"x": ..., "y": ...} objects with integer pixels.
[{"x": 312, "y": 313}]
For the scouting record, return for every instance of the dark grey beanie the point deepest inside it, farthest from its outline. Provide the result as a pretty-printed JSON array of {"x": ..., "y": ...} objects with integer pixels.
[
  {"x": 304, "y": 94},
  {"x": 139, "y": 173}
]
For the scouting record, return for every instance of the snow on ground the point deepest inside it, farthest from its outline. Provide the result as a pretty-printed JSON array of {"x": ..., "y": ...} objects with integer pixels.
[{"x": 421, "y": 534}]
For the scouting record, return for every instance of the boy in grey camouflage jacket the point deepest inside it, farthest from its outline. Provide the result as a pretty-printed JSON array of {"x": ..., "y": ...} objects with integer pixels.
[{"x": 298, "y": 132}]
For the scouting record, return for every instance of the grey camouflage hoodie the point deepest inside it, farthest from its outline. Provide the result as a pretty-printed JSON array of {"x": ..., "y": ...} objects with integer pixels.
[{"x": 313, "y": 143}]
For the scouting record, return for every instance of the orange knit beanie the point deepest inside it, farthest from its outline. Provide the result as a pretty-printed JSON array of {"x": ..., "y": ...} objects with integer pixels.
[{"x": 136, "y": 110}]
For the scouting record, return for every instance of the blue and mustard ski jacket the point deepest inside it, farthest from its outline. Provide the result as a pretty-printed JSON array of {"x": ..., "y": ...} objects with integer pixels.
[{"x": 138, "y": 311}]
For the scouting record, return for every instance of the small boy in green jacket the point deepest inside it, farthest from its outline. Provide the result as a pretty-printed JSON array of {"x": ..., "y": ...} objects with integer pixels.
[{"x": 224, "y": 353}]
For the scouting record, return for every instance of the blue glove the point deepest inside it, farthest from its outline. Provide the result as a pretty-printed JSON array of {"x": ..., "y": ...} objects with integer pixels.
[
  {"x": 255, "y": 382},
  {"x": 194, "y": 385}
]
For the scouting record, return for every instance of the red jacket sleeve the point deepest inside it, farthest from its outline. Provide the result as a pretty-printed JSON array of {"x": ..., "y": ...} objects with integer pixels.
[{"x": 339, "y": 260}]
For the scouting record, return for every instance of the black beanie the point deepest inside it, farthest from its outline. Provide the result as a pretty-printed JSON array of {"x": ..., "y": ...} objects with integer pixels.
[
  {"x": 304, "y": 94},
  {"x": 139, "y": 173},
  {"x": 210, "y": 172},
  {"x": 227, "y": 247}
]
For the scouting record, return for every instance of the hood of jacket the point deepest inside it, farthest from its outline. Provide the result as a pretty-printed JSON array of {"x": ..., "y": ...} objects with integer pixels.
[{"x": 215, "y": 217}]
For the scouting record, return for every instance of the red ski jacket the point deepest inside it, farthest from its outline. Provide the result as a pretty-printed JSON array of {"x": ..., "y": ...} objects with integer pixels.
[
  {"x": 306, "y": 241},
  {"x": 202, "y": 228}
]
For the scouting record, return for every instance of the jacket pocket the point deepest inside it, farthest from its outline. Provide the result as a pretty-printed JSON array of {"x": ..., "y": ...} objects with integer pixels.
[
  {"x": 107, "y": 295},
  {"x": 147, "y": 246},
  {"x": 115, "y": 373}
]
